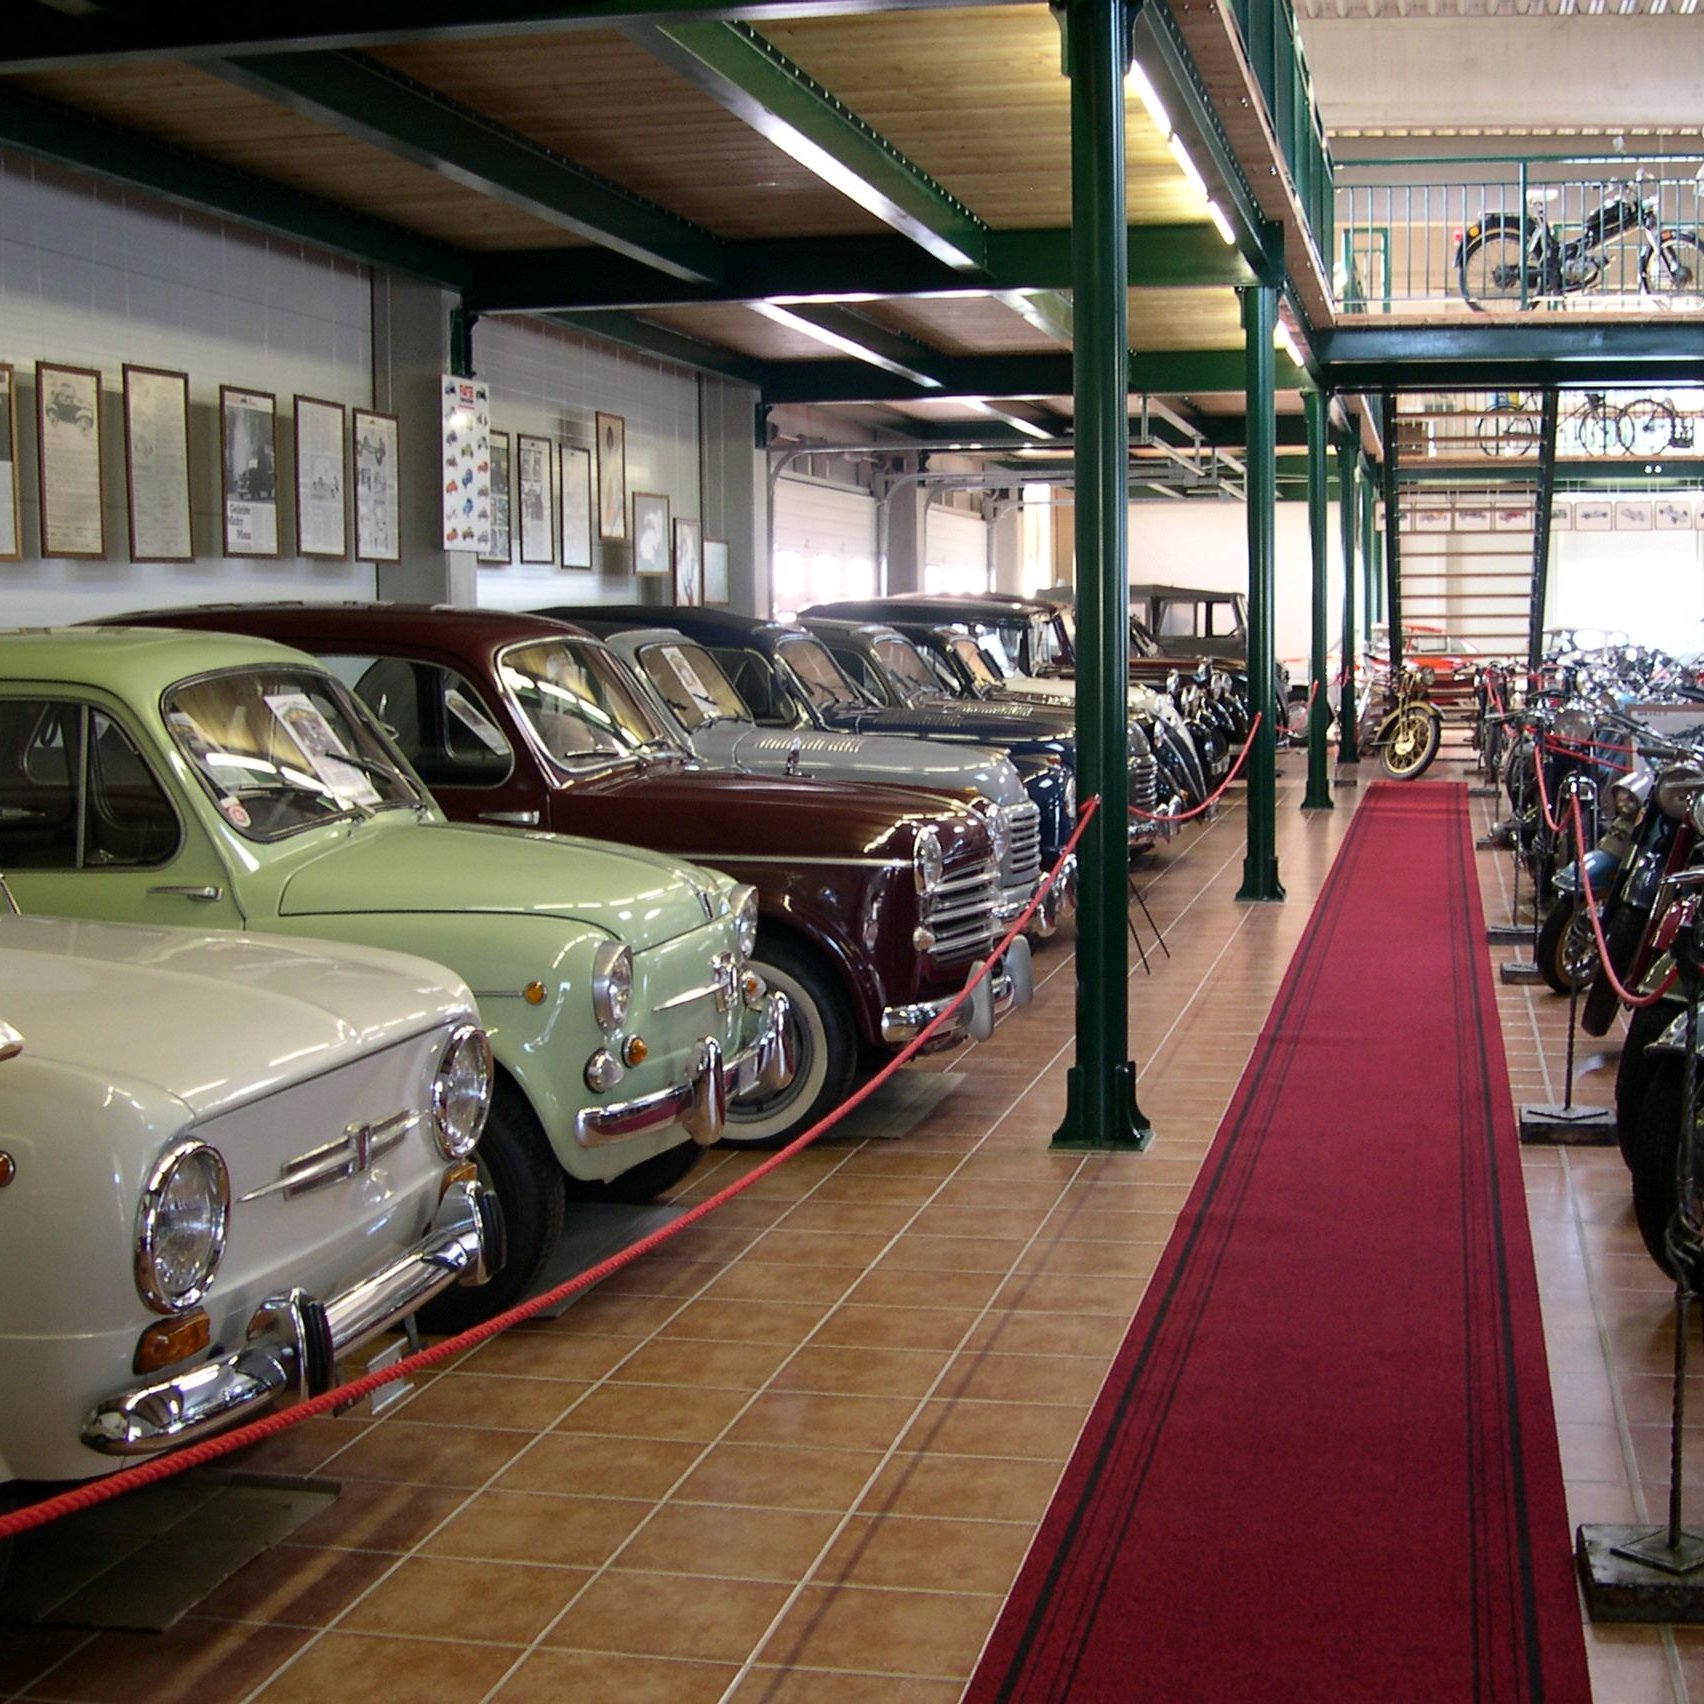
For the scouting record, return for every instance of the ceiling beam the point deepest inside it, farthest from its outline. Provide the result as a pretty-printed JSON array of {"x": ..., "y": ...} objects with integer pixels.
[
  {"x": 852, "y": 334},
  {"x": 651, "y": 339},
  {"x": 1509, "y": 354},
  {"x": 363, "y": 99}
]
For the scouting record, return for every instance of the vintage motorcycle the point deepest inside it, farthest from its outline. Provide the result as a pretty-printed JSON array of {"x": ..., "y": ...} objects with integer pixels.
[{"x": 1410, "y": 732}]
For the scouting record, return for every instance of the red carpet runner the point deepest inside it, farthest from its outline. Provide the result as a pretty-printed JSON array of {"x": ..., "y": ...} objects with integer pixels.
[{"x": 1324, "y": 1466}]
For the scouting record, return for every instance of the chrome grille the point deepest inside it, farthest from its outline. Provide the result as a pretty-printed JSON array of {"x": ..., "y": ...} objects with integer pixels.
[
  {"x": 1022, "y": 863},
  {"x": 1144, "y": 783},
  {"x": 960, "y": 912}
]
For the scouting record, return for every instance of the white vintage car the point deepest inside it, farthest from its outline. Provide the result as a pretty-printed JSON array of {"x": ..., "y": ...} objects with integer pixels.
[{"x": 224, "y": 1161}]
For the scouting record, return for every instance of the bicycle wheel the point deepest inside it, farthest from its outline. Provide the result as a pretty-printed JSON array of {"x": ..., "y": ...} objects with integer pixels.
[
  {"x": 1492, "y": 266},
  {"x": 1672, "y": 268},
  {"x": 1601, "y": 430},
  {"x": 1506, "y": 430},
  {"x": 1651, "y": 424}
]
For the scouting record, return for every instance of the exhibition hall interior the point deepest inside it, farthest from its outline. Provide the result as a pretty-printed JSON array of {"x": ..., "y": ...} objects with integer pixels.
[{"x": 852, "y": 852}]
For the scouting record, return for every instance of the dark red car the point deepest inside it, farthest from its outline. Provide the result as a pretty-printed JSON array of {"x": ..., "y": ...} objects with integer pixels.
[{"x": 874, "y": 901}]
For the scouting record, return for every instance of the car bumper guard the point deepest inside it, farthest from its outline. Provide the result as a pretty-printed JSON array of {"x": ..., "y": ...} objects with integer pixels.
[{"x": 998, "y": 994}]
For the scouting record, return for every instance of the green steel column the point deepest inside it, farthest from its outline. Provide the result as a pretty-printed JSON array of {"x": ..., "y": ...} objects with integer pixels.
[
  {"x": 1393, "y": 545},
  {"x": 1544, "y": 501},
  {"x": 1318, "y": 795},
  {"x": 1100, "y": 1104},
  {"x": 1370, "y": 557},
  {"x": 1260, "y": 319},
  {"x": 1349, "y": 493}
]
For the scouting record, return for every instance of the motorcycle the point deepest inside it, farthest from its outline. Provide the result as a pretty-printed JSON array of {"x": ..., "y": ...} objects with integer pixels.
[{"x": 1410, "y": 733}]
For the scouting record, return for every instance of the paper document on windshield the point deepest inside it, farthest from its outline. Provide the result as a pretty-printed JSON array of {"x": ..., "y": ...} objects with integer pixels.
[
  {"x": 689, "y": 677},
  {"x": 315, "y": 738}
]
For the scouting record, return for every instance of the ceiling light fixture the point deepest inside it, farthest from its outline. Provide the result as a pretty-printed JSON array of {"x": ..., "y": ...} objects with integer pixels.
[
  {"x": 1220, "y": 223},
  {"x": 1187, "y": 166},
  {"x": 1136, "y": 78},
  {"x": 846, "y": 345},
  {"x": 981, "y": 405}
]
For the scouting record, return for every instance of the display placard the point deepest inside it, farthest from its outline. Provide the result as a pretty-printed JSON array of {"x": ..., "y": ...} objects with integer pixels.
[
  {"x": 248, "y": 467},
  {"x": 465, "y": 465},
  {"x": 612, "y": 477},
  {"x": 501, "y": 548},
  {"x": 576, "y": 507},
  {"x": 322, "y": 510},
  {"x": 156, "y": 464},
  {"x": 68, "y": 442},
  {"x": 378, "y": 514},
  {"x": 533, "y": 459}
]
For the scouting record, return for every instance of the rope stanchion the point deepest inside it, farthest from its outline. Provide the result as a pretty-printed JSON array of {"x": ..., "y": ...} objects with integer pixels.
[
  {"x": 1589, "y": 900},
  {"x": 1217, "y": 793},
  {"x": 1553, "y": 823},
  {"x": 96, "y": 1491}
]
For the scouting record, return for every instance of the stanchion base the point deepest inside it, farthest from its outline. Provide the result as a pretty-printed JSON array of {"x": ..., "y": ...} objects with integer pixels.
[
  {"x": 1351, "y": 778},
  {"x": 1508, "y": 934},
  {"x": 1630, "y": 1574},
  {"x": 1484, "y": 792},
  {"x": 1512, "y": 972},
  {"x": 1581, "y": 1126}
]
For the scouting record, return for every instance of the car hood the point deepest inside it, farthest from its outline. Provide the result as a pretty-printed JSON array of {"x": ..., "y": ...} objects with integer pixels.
[
  {"x": 641, "y": 897},
  {"x": 1008, "y": 725},
  {"x": 229, "y": 1017},
  {"x": 884, "y": 757}
]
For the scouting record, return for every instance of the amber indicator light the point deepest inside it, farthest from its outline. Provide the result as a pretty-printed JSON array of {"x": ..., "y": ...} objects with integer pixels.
[{"x": 172, "y": 1340}]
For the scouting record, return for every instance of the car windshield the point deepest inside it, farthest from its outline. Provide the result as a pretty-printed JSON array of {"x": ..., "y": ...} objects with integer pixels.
[
  {"x": 575, "y": 698},
  {"x": 691, "y": 682},
  {"x": 974, "y": 660},
  {"x": 283, "y": 749},
  {"x": 907, "y": 672},
  {"x": 820, "y": 677},
  {"x": 1047, "y": 644},
  {"x": 1142, "y": 642}
]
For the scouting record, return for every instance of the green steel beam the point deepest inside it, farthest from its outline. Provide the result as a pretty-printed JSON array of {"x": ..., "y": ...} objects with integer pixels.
[
  {"x": 892, "y": 352},
  {"x": 667, "y": 345},
  {"x": 1622, "y": 474},
  {"x": 1392, "y": 537},
  {"x": 361, "y": 98},
  {"x": 1048, "y": 311},
  {"x": 1509, "y": 354},
  {"x": 47, "y": 131},
  {"x": 1548, "y": 412},
  {"x": 1318, "y": 795},
  {"x": 751, "y": 78},
  {"x": 1348, "y": 731}
]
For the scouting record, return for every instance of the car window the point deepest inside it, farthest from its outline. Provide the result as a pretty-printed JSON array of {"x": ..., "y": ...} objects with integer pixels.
[
  {"x": 975, "y": 660},
  {"x": 753, "y": 680},
  {"x": 1179, "y": 620},
  {"x": 910, "y": 674},
  {"x": 861, "y": 672},
  {"x": 821, "y": 679},
  {"x": 435, "y": 714},
  {"x": 576, "y": 698}
]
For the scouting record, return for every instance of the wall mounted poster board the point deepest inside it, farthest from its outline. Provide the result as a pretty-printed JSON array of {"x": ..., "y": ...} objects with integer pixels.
[
  {"x": 1561, "y": 515},
  {"x": 1633, "y": 515},
  {"x": 650, "y": 533},
  {"x": 576, "y": 507},
  {"x": 322, "y": 524},
  {"x": 715, "y": 570},
  {"x": 1673, "y": 515},
  {"x": 378, "y": 513},
  {"x": 501, "y": 548},
  {"x": 689, "y": 563},
  {"x": 248, "y": 465},
  {"x": 68, "y": 439},
  {"x": 156, "y": 464},
  {"x": 465, "y": 467},
  {"x": 612, "y": 476},
  {"x": 533, "y": 457},
  {"x": 11, "y": 520}
]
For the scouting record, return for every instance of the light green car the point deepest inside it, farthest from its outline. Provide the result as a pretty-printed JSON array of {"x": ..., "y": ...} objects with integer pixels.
[{"x": 176, "y": 778}]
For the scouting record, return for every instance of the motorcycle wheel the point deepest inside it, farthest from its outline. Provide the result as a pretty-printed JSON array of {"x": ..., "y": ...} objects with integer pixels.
[
  {"x": 1567, "y": 952},
  {"x": 1653, "y": 1150},
  {"x": 1623, "y": 930},
  {"x": 1633, "y": 1074},
  {"x": 1492, "y": 266},
  {"x": 1674, "y": 269},
  {"x": 1410, "y": 744}
]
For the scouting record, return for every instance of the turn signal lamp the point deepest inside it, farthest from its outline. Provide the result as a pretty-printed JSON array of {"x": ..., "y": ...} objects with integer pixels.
[
  {"x": 465, "y": 1172},
  {"x": 172, "y": 1340},
  {"x": 533, "y": 993},
  {"x": 635, "y": 1051}
]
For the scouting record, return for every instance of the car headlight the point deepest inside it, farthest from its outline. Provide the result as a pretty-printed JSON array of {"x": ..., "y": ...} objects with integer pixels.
[
  {"x": 612, "y": 983},
  {"x": 461, "y": 1092},
  {"x": 927, "y": 864},
  {"x": 999, "y": 828},
  {"x": 743, "y": 903},
  {"x": 180, "y": 1227}
]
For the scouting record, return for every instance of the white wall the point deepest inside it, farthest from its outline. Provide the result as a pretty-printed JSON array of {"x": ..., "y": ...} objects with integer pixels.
[
  {"x": 92, "y": 276},
  {"x": 825, "y": 544},
  {"x": 955, "y": 551},
  {"x": 1648, "y": 585}
]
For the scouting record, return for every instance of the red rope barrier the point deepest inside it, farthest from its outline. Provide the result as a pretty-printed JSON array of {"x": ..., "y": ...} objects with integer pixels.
[
  {"x": 95, "y": 1491},
  {"x": 1313, "y": 692},
  {"x": 1575, "y": 748},
  {"x": 1589, "y": 900},
  {"x": 1218, "y": 792},
  {"x": 1554, "y": 824}
]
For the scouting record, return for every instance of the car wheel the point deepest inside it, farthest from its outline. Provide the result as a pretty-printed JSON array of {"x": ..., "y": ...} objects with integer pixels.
[
  {"x": 825, "y": 1040},
  {"x": 642, "y": 1182},
  {"x": 516, "y": 1163}
]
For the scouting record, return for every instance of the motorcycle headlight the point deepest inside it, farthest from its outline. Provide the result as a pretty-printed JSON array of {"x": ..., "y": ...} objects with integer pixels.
[
  {"x": 927, "y": 864},
  {"x": 743, "y": 902},
  {"x": 1677, "y": 788},
  {"x": 612, "y": 983},
  {"x": 1698, "y": 813},
  {"x": 180, "y": 1227},
  {"x": 461, "y": 1092},
  {"x": 1575, "y": 726}
]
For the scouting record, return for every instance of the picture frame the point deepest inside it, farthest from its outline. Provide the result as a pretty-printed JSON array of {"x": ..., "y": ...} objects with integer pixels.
[
  {"x": 68, "y": 461},
  {"x": 502, "y": 545},
  {"x": 378, "y": 486},
  {"x": 11, "y": 511},
  {"x": 576, "y": 507},
  {"x": 464, "y": 409},
  {"x": 1561, "y": 515},
  {"x": 650, "y": 533},
  {"x": 612, "y": 477},
  {"x": 322, "y": 506},
  {"x": 534, "y": 458},
  {"x": 689, "y": 563},
  {"x": 1673, "y": 514},
  {"x": 248, "y": 471},
  {"x": 715, "y": 570},
  {"x": 1633, "y": 515},
  {"x": 1592, "y": 515},
  {"x": 1514, "y": 516},
  {"x": 156, "y": 464}
]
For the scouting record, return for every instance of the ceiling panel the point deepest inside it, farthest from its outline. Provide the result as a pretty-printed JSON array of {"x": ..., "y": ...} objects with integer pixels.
[
  {"x": 1185, "y": 319},
  {"x": 745, "y": 331},
  {"x": 974, "y": 325}
]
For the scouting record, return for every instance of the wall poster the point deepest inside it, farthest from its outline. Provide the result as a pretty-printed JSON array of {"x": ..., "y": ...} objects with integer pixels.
[
  {"x": 650, "y": 533},
  {"x": 378, "y": 515},
  {"x": 533, "y": 457},
  {"x": 576, "y": 507},
  {"x": 11, "y": 519},
  {"x": 68, "y": 425},
  {"x": 322, "y": 514},
  {"x": 248, "y": 458},
  {"x": 612, "y": 476},
  {"x": 501, "y": 549},
  {"x": 466, "y": 464},
  {"x": 156, "y": 464},
  {"x": 1673, "y": 515},
  {"x": 1633, "y": 514},
  {"x": 689, "y": 563},
  {"x": 715, "y": 570}
]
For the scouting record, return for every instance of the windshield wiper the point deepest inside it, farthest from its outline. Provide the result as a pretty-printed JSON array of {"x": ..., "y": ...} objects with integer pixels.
[{"x": 381, "y": 771}]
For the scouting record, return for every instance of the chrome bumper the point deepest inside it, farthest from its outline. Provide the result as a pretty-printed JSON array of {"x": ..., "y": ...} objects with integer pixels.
[
  {"x": 1003, "y": 991},
  {"x": 701, "y": 1103},
  {"x": 1058, "y": 903},
  {"x": 294, "y": 1341}
]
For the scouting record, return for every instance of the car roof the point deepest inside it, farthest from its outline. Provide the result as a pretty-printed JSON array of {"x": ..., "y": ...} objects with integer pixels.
[
  {"x": 1156, "y": 591},
  {"x": 133, "y": 659},
  {"x": 614, "y": 617},
  {"x": 476, "y": 628}
]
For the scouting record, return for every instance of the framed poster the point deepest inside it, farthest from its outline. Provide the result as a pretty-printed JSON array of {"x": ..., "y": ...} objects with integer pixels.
[
  {"x": 501, "y": 549},
  {"x": 11, "y": 519},
  {"x": 465, "y": 466},
  {"x": 248, "y": 470},
  {"x": 650, "y": 533},
  {"x": 1512, "y": 517},
  {"x": 1673, "y": 515},
  {"x": 1474, "y": 519},
  {"x": 689, "y": 563},
  {"x": 1431, "y": 518},
  {"x": 612, "y": 476},
  {"x": 576, "y": 507},
  {"x": 1633, "y": 516},
  {"x": 1561, "y": 515},
  {"x": 1592, "y": 515},
  {"x": 68, "y": 438},
  {"x": 156, "y": 464},
  {"x": 533, "y": 457},
  {"x": 378, "y": 513},
  {"x": 322, "y": 519},
  {"x": 715, "y": 570}
]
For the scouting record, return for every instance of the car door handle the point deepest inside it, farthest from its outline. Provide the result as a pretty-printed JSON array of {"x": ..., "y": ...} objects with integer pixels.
[
  {"x": 201, "y": 895},
  {"x": 511, "y": 819}
]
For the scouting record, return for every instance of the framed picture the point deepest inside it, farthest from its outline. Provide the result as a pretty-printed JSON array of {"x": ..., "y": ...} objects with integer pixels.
[
  {"x": 378, "y": 513},
  {"x": 715, "y": 570},
  {"x": 650, "y": 533},
  {"x": 576, "y": 507},
  {"x": 612, "y": 476},
  {"x": 11, "y": 519},
  {"x": 689, "y": 563},
  {"x": 1475, "y": 519},
  {"x": 1561, "y": 515},
  {"x": 248, "y": 467},
  {"x": 533, "y": 458},
  {"x": 156, "y": 464},
  {"x": 1512, "y": 517},
  {"x": 1435, "y": 518},
  {"x": 1633, "y": 516},
  {"x": 68, "y": 438},
  {"x": 1592, "y": 515},
  {"x": 1673, "y": 515},
  {"x": 501, "y": 549},
  {"x": 465, "y": 463},
  {"x": 322, "y": 515}
]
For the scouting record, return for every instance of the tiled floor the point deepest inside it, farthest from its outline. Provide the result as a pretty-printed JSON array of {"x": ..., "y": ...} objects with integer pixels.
[{"x": 799, "y": 1454}]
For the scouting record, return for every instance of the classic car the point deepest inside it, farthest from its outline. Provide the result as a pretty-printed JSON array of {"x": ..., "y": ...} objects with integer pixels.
[
  {"x": 225, "y": 1162},
  {"x": 873, "y": 902},
  {"x": 169, "y": 777}
]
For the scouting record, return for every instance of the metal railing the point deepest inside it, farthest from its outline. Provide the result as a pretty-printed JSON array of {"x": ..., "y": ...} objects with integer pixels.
[{"x": 1500, "y": 428}]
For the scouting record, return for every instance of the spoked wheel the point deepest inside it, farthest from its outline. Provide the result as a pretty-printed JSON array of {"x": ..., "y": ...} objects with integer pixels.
[
  {"x": 1652, "y": 425},
  {"x": 1411, "y": 744},
  {"x": 1493, "y": 268},
  {"x": 1567, "y": 956},
  {"x": 1506, "y": 431},
  {"x": 1672, "y": 269},
  {"x": 1652, "y": 1152}
]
